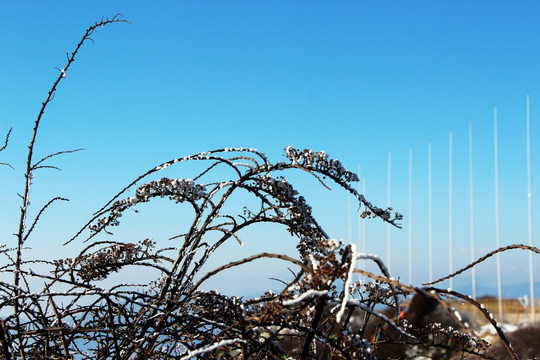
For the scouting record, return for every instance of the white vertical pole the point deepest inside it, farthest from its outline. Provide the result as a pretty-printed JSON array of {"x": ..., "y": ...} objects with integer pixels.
[
  {"x": 389, "y": 255},
  {"x": 471, "y": 207},
  {"x": 529, "y": 206},
  {"x": 410, "y": 218},
  {"x": 430, "y": 212},
  {"x": 349, "y": 208},
  {"x": 497, "y": 230},
  {"x": 360, "y": 240},
  {"x": 450, "y": 210},
  {"x": 364, "y": 240}
]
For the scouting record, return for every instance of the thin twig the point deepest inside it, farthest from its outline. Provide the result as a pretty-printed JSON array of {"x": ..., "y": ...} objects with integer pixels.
[{"x": 483, "y": 258}]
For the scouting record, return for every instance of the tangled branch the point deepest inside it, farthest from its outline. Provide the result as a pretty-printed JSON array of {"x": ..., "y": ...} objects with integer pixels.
[{"x": 321, "y": 313}]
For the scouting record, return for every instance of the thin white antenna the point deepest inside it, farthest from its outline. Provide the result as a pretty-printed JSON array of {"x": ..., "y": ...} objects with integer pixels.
[
  {"x": 450, "y": 210},
  {"x": 529, "y": 203},
  {"x": 410, "y": 218},
  {"x": 497, "y": 231},
  {"x": 471, "y": 212},
  {"x": 430, "y": 212},
  {"x": 389, "y": 263},
  {"x": 360, "y": 240},
  {"x": 349, "y": 206},
  {"x": 364, "y": 241}
]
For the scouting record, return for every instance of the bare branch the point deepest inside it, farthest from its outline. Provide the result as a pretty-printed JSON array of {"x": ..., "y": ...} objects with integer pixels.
[
  {"x": 483, "y": 258},
  {"x": 39, "y": 214},
  {"x": 36, "y": 165},
  {"x": 249, "y": 259},
  {"x": 4, "y": 146},
  {"x": 7, "y": 139}
]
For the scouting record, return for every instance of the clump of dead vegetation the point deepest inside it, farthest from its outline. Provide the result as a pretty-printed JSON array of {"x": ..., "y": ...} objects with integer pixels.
[{"x": 321, "y": 313}]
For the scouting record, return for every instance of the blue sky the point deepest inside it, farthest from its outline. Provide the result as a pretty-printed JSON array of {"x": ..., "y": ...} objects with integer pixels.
[{"x": 357, "y": 79}]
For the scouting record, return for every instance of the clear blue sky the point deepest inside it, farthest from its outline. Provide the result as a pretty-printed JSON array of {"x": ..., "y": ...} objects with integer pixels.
[{"x": 358, "y": 79}]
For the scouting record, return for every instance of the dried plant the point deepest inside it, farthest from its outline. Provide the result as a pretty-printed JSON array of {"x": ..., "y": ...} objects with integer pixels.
[{"x": 320, "y": 314}]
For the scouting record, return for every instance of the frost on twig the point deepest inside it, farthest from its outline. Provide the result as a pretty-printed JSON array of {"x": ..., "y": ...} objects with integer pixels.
[
  {"x": 77, "y": 307},
  {"x": 160, "y": 312},
  {"x": 322, "y": 310}
]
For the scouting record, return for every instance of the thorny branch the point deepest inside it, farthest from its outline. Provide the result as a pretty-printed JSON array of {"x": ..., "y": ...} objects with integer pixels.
[
  {"x": 5, "y": 146},
  {"x": 483, "y": 258},
  {"x": 30, "y": 167},
  {"x": 321, "y": 313},
  {"x": 145, "y": 319}
]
